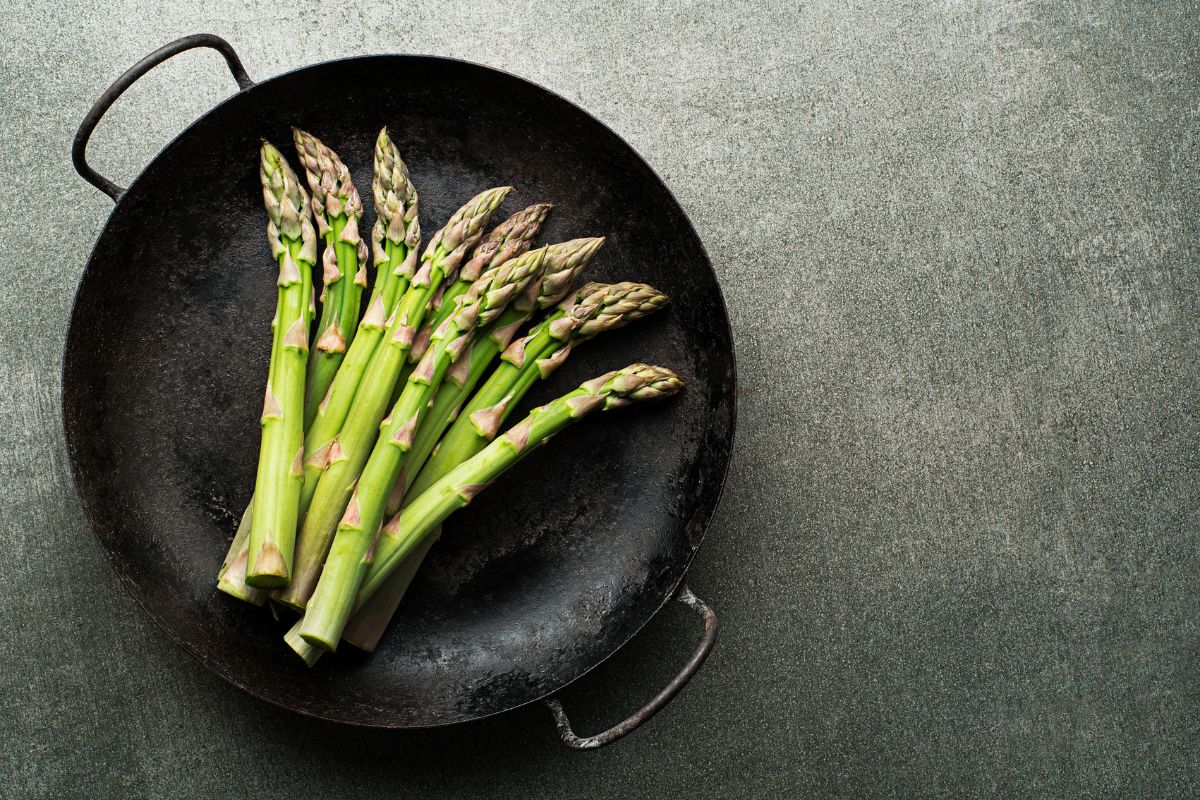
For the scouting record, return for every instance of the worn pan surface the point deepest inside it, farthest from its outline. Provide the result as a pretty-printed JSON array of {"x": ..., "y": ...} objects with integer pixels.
[{"x": 544, "y": 576}]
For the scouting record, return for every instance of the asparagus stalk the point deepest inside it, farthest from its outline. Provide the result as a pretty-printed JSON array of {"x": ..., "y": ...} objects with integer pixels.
[
  {"x": 294, "y": 245},
  {"x": 405, "y": 532},
  {"x": 340, "y": 461},
  {"x": 592, "y": 310},
  {"x": 507, "y": 240},
  {"x": 338, "y": 209},
  {"x": 349, "y": 556},
  {"x": 395, "y": 237}
]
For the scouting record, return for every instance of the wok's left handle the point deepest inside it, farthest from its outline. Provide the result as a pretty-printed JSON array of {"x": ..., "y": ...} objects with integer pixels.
[
  {"x": 110, "y": 95},
  {"x": 707, "y": 640}
]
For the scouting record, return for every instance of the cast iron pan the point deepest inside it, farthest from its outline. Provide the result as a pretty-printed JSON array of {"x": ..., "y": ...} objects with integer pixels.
[{"x": 544, "y": 576}]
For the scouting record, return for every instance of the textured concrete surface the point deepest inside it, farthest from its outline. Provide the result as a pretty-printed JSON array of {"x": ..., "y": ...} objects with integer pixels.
[{"x": 958, "y": 554}]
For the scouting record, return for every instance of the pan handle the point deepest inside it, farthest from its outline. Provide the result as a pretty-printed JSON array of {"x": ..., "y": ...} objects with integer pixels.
[
  {"x": 110, "y": 95},
  {"x": 569, "y": 737}
]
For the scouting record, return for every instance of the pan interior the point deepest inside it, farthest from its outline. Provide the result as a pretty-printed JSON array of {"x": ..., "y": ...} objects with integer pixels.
[{"x": 550, "y": 570}]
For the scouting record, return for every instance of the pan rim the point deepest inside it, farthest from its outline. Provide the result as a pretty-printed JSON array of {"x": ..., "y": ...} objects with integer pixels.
[{"x": 185, "y": 644}]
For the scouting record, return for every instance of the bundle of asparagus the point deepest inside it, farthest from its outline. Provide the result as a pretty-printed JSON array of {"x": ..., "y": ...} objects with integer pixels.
[{"x": 334, "y": 462}]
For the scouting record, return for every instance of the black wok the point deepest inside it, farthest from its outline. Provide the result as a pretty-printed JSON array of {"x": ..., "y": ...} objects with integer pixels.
[{"x": 543, "y": 577}]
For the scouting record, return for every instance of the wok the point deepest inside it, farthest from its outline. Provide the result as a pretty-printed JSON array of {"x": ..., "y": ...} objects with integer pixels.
[{"x": 547, "y": 574}]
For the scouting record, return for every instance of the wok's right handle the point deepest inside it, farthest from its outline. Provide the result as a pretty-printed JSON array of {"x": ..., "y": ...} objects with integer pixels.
[
  {"x": 110, "y": 95},
  {"x": 707, "y": 640}
]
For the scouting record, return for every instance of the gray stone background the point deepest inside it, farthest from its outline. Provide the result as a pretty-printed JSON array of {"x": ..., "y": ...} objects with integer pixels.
[{"x": 957, "y": 555}]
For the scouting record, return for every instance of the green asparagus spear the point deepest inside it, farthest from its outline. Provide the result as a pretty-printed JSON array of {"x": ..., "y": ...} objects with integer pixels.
[
  {"x": 338, "y": 209},
  {"x": 395, "y": 238},
  {"x": 343, "y": 458},
  {"x": 404, "y": 533},
  {"x": 294, "y": 245},
  {"x": 331, "y": 602}
]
